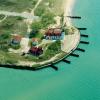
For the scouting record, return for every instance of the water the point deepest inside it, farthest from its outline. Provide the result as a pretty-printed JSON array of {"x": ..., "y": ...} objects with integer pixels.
[{"x": 78, "y": 81}]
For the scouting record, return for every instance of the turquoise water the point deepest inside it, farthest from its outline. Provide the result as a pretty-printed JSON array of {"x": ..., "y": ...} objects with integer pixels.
[{"x": 78, "y": 81}]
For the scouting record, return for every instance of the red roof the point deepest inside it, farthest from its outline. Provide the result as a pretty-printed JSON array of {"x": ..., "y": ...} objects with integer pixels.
[
  {"x": 17, "y": 37},
  {"x": 50, "y": 31},
  {"x": 55, "y": 31},
  {"x": 36, "y": 49},
  {"x": 34, "y": 39}
]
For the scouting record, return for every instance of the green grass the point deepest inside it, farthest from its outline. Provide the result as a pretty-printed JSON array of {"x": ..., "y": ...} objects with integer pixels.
[
  {"x": 13, "y": 25},
  {"x": 9, "y": 58},
  {"x": 55, "y": 6},
  {"x": 2, "y": 16},
  {"x": 17, "y": 5}
]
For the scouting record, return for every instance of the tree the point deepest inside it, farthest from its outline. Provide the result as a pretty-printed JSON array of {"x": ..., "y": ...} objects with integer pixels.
[
  {"x": 40, "y": 11},
  {"x": 4, "y": 40},
  {"x": 36, "y": 26},
  {"x": 4, "y": 36},
  {"x": 47, "y": 19},
  {"x": 55, "y": 47}
]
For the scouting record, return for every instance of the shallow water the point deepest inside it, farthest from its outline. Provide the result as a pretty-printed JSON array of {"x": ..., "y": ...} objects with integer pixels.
[{"x": 77, "y": 81}]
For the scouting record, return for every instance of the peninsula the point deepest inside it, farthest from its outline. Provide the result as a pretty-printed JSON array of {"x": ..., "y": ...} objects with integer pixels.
[{"x": 36, "y": 33}]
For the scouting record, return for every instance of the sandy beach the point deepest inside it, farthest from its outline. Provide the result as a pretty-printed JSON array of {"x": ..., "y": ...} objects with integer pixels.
[
  {"x": 70, "y": 41},
  {"x": 68, "y": 7}
]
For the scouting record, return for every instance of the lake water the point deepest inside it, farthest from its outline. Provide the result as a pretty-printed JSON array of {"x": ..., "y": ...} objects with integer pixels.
[{"x": 77, "y": 81}]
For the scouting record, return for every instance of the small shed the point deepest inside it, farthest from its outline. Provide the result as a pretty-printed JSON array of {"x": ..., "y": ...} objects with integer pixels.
[
  {"x": 35, "y": 41},
  {"x": 54, "y": 34},
  {"x": 36, "y": 51}
]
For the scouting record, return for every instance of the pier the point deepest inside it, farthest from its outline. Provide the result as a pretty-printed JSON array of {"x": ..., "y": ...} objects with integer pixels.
[
  {"x": 54, "y": 67},
  {"x": 74, "y": 55},
  {"x": 84, "y": 35},
  {"x": 84, "y": 42},
  {"x": 66, "y": 61},
  {"x": 17, "y": 67},
  {"x": 79, "y": 49},
  {"x": 82, "y": 28},
  {"x": 74, "y": 17}
]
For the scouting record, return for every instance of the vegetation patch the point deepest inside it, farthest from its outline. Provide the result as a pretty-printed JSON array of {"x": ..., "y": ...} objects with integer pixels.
[
  {"x": 13, "y": 25},
  {"x": 17, "y": 5}
]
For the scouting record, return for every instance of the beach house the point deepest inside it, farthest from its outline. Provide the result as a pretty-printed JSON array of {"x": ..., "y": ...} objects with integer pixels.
[
  {"x": 54, "y": 34},
  {"x": 34, "y": 41},
  {"x": 36, "y": 51}
]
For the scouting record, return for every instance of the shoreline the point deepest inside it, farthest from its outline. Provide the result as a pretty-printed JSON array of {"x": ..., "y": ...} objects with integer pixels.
[{"x": 68, "y": 9}]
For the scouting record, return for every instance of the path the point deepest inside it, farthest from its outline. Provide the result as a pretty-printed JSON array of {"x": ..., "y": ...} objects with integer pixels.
[
  {"x": 3, "y": 19},
  {"x": 39, "y": 1},
  {"x": 24, "y": 15},
  {"x": 29, "y": 21}
]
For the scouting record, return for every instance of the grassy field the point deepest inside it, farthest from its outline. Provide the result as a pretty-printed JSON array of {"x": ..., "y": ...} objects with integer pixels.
[
  {"x": 13, "y": 25},
  {"x": 51, "y": 6},
  {"x": 17, "y": 5},
  {"x": 10, "y": 58}
]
